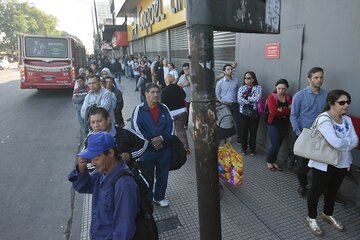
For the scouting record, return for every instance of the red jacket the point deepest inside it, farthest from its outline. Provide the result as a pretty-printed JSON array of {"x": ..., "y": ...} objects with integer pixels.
[{"x": 271, "y": 103}]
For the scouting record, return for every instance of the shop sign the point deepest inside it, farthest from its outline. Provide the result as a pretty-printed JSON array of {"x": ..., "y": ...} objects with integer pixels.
[
  {"x": 177, "y": 5},
  {"x": 272, "y": 50},
  {"x": 119, "y": 39},
  {"x": 154, "y": 13}
]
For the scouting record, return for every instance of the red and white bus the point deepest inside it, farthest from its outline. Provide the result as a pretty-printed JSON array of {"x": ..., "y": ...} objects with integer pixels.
[{"x": 48, "y": 62}]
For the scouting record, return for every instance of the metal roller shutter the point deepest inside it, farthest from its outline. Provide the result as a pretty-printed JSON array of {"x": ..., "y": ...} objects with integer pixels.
[
  {"x": 224, "y": 49},
  {"x": 156, "y": 44},
  {"x": 179, "y": 46},
  {"x": 138, "y": 47}
]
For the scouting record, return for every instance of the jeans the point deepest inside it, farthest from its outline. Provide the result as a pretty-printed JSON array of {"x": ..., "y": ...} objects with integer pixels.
[
  {"x": 158, "y": 161},
  {"x": 328, "y": 183},
  {"x": 276, "y": 135}
]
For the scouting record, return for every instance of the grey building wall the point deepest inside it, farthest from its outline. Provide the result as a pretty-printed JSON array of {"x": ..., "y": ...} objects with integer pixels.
[{"x": 323, "y": 33}]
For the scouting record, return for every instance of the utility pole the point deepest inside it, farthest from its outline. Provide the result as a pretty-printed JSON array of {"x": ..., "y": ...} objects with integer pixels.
[
  {"x": 202, "y": 18},
  {"x": 203, "y": 102},
  {"x": 97, "y": 27}
]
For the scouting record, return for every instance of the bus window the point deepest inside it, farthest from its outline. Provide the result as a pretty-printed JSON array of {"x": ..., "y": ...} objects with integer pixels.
[{"x": 38, "y": 47}]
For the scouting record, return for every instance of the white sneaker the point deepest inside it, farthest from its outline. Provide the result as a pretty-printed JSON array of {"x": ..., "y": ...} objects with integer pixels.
[
  {"x": 162, "y": 203},
  {"x": 314, "y": 227}
]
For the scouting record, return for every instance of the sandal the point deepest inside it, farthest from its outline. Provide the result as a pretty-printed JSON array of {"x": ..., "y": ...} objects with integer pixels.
[
  {"x": 277, "y": 167},
  {"x": 271, "y": 167}
]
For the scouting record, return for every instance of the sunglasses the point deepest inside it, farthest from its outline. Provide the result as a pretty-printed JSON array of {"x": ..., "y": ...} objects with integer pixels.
[
  {"x": 247, "y": 77},
  {"x": 342, "y": 103}
]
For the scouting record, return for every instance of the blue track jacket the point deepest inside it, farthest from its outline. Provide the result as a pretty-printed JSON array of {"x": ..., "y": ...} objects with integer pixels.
[{"x": 143, "y": 124}]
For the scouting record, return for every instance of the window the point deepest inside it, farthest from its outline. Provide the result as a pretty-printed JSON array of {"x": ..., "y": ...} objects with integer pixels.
[{"x": 40, "y": 47}]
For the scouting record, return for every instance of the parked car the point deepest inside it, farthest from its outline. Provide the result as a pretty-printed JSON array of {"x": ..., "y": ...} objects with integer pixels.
[{"x": 4, "y": 63}]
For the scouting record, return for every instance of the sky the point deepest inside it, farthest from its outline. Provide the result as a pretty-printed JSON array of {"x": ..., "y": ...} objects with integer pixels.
[{"x": 74, "y": 17}]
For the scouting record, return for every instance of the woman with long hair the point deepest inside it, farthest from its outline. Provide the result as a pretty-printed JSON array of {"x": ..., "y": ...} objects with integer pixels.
[
  {"x": 248, "y": 96},
  {"x": 338, "y": 130},
  {"x": 278, "y": 106}
]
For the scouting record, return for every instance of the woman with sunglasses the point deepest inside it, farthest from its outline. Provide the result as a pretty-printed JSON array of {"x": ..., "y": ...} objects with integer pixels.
[
  {"x": 248, "y": 96},
  {"x": 339, "y": 132}
]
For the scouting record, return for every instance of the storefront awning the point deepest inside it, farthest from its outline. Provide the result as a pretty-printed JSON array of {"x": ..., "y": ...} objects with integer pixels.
[{"x": 127, "y": 7}]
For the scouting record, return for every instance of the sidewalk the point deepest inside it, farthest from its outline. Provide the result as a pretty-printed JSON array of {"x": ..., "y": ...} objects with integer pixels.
[{"x": 265, "y": 206}]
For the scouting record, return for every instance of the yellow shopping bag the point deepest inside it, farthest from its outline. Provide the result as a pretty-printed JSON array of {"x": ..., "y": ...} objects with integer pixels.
[{"x": 231, "y": 165}]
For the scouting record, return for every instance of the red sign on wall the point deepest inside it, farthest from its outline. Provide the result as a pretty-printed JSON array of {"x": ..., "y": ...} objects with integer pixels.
[
  {"x": 272, "y": 50},
  {"x": 119, "y": 39}
]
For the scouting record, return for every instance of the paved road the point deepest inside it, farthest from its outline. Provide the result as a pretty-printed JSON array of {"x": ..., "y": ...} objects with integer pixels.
[{"x": 39, "y": 138}]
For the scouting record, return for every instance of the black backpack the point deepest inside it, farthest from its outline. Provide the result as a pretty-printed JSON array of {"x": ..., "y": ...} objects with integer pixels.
[{"x": 145, "y": 223}]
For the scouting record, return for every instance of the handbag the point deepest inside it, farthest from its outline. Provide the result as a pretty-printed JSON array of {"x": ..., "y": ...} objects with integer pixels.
[
  {"x": 249, "y": 111},
  {"x": 178, "y": 153},
  {"x": 311, "y": 144}
]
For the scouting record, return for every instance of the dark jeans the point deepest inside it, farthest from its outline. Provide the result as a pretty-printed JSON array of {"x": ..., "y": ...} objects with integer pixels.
[
  {"x": 249, "y": 126},
  {"x": 276, "y": 135},
  {"x": 324, "y": 182},
  {"x": 234, "y": 109}
]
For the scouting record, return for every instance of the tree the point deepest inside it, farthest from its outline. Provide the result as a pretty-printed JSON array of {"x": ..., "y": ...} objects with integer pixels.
[{"x": 22, "y": 18}]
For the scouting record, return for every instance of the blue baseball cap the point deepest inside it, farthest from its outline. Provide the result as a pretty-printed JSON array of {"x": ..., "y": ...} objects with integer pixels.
[{"x": 97, "y": 143}]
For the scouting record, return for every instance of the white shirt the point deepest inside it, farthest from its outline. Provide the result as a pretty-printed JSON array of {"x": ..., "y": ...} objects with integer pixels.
[{"x": 341, "y": 136}]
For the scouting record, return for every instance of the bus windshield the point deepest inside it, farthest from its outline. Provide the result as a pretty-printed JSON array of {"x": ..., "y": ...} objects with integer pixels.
[{"x": 41, "y": 47}]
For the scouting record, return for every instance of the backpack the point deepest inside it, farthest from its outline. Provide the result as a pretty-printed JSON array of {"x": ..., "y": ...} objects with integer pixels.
[
  {"x": 225, "y": 126},
  {"x": 145, "y": 223},
  {"x": 224, "y": 118}
]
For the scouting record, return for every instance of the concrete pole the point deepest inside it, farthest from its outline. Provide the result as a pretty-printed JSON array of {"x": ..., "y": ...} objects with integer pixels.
[{"x": 201, "y": 41}]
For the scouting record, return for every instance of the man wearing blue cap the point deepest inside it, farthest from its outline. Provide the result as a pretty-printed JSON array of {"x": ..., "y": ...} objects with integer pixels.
[{"x": 114, "y": 208}]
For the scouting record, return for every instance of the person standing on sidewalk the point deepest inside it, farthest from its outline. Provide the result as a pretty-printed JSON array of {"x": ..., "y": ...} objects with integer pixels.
[
  {"x": 114, "y": 207},
  {"x": 173, "y": 96},
  {"x": 152, "y": 120},
  {"x": 97, "y": 96},
  {"x": 338, "y": 130},
  {"x": 307, "y": 104},
  {"x": 78, "y": 98},
  {"x": 248, "y": 97},
  {"x": 226, "y": 91},
  {"x": 279, "y": 106}
]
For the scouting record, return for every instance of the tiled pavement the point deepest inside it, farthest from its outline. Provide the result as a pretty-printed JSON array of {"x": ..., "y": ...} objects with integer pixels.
[{"x": 265, "y": 206}]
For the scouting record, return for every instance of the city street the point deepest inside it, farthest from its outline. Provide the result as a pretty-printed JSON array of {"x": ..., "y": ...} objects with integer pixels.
[{"x": 39, "y": 137}]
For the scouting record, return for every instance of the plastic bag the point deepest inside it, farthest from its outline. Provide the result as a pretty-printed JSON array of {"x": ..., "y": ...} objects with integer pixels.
[{"x": 231, "y": 165}]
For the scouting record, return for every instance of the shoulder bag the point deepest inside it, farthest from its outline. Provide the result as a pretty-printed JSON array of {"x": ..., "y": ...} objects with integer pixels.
[
  {"x": 178, "y": 154},
  {"x": 311, "y": 144}
]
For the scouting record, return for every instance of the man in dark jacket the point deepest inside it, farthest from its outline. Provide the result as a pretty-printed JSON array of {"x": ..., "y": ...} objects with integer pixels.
[{"x": 152, "y": 120}]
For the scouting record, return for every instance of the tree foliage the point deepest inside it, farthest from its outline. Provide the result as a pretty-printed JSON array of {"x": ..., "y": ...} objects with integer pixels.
[{"x": 22, "y": 18}]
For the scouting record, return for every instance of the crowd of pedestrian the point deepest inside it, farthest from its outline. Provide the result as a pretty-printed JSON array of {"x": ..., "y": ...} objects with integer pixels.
[
  {"x": 111, "y": 148},
  {"x": 245, "y": 103},
  {"x": 163, "y": 111}
]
